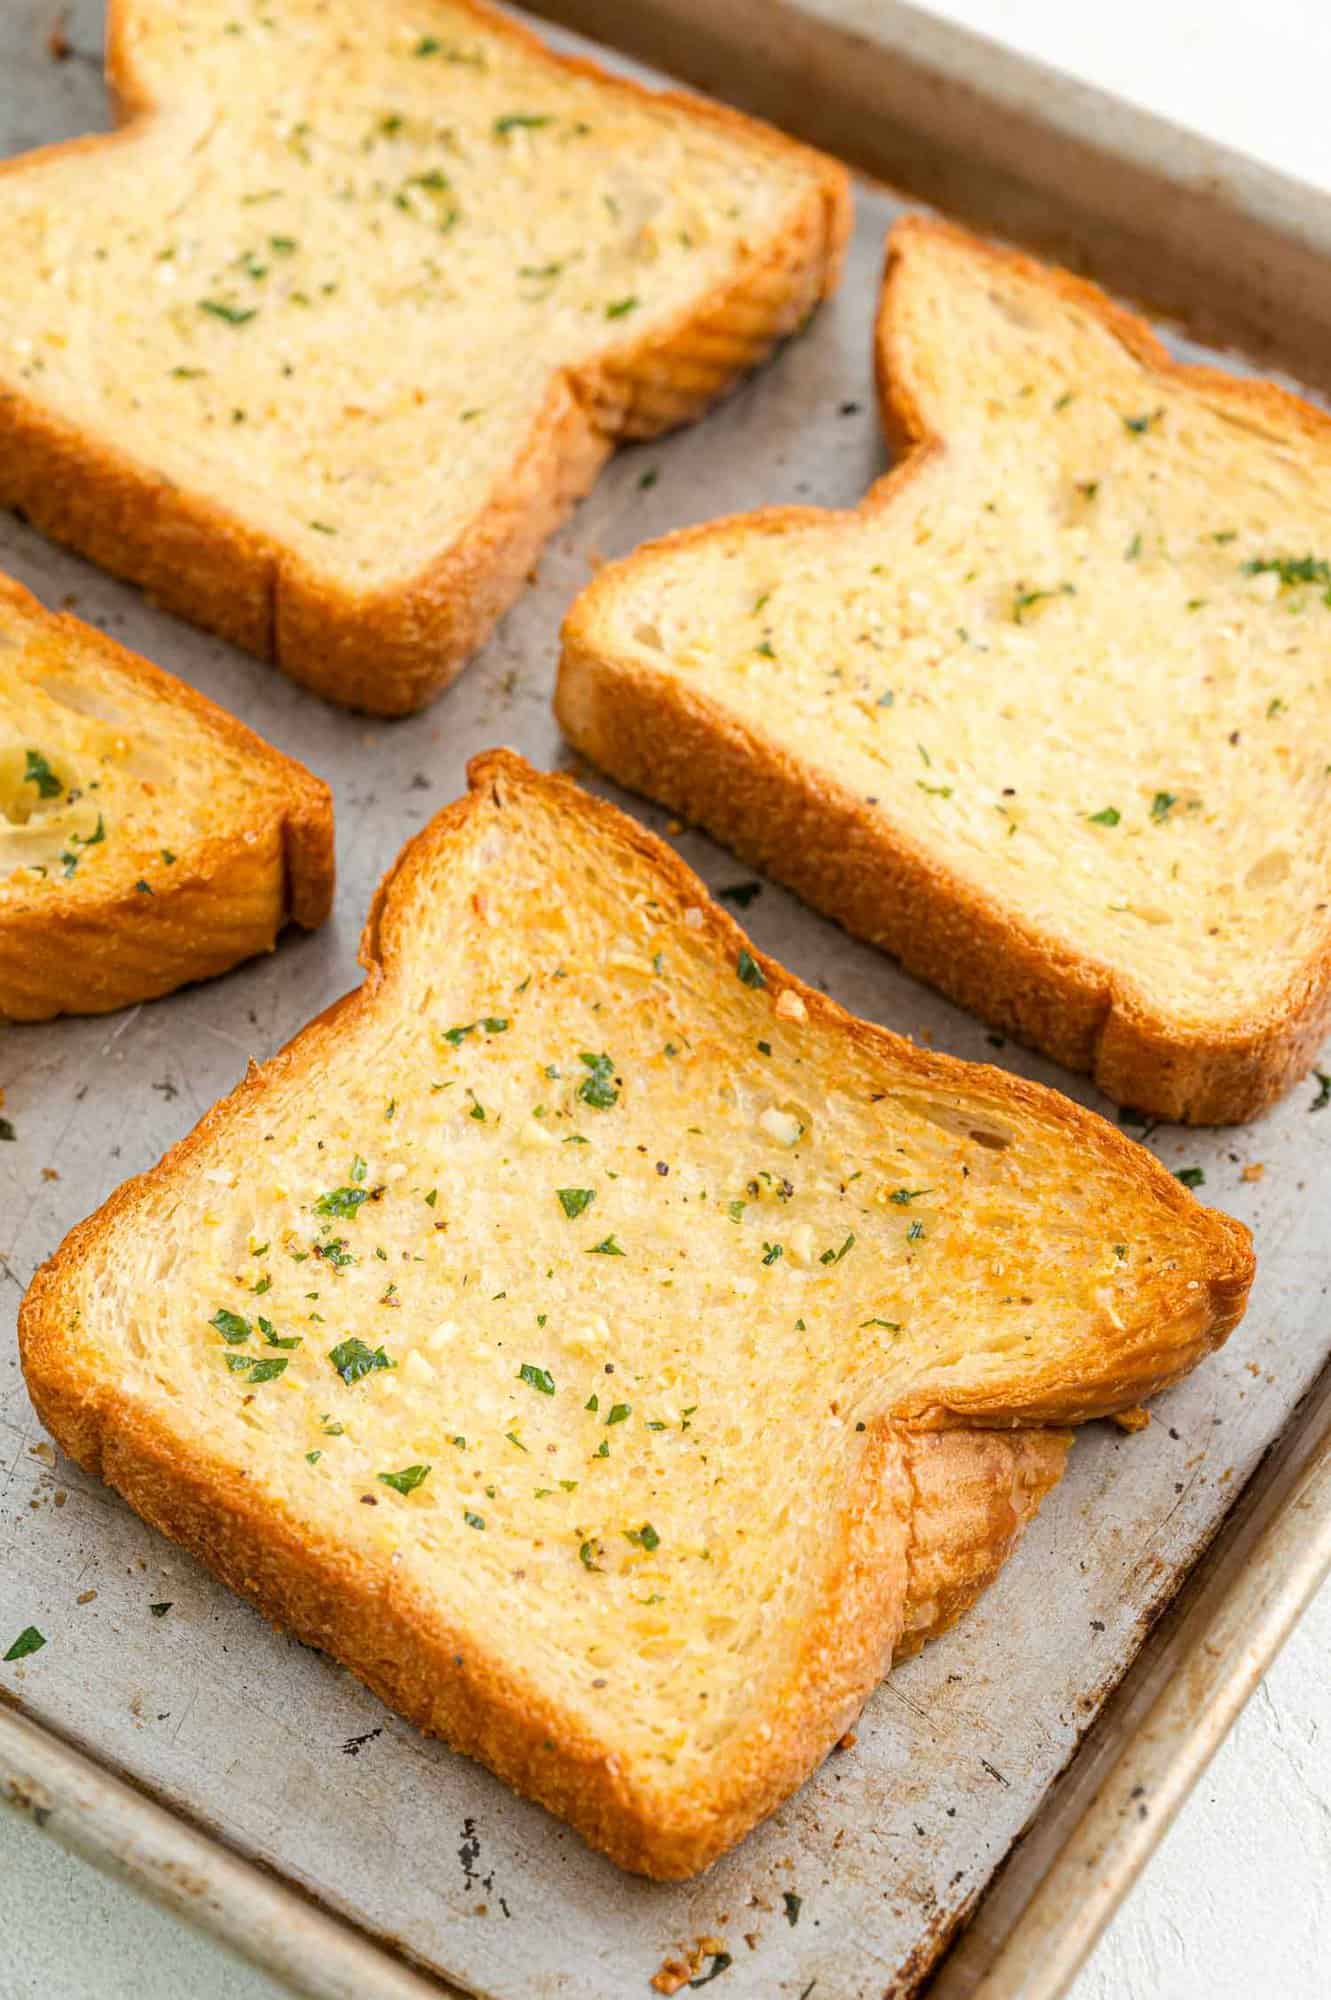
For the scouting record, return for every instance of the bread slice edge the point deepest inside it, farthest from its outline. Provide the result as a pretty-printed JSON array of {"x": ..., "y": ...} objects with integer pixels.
[
  {"x": 889, "y": 1588},
  {"x": 655, "y": 736},
  {"x": 227, "y": 901},
  {"x": 389, "y": 651}
]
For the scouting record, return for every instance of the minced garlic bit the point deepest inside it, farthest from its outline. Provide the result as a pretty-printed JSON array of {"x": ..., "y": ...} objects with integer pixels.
[{"x": 783, "y": 1126}]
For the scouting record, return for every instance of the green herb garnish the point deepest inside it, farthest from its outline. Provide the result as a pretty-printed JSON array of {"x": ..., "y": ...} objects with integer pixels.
[
  {"x": 599, "y": 1089},
  {"x": 233, "y": 315},
  {"x": 537, "y": 1378},
  {"x": 342, "y": 1201},
  {"x": 574, "y": 1200},
  {"x": 405, "y": 1481},
  {"x": 352, "y": 1359},
  {"x": 36, "y": 771},
  {"x": 1293, "y": 570}
]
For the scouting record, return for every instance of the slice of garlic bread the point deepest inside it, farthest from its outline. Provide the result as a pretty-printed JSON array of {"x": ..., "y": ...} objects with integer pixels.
[
  {"x": 146, "y": 837},
  {"x": 325, "y": 341},
  {"x": 1046, "y": 715},
  {"x": 560, "y": 1331}
]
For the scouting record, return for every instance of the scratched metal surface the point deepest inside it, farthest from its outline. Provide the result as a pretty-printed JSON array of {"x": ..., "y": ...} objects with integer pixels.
[{"x": 274, "y": 1746}]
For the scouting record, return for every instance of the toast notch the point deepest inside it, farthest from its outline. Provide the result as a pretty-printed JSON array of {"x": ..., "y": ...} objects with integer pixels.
[
  {"x": 146, "y": 837},
  {"x": 602, "y": 1343},
  {"x": 1044, "y": 715},
  {"x": 326, "y": 340}
]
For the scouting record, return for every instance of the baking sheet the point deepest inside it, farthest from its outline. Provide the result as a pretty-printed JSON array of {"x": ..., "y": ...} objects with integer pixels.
[{"x": 279, "y": 1750}]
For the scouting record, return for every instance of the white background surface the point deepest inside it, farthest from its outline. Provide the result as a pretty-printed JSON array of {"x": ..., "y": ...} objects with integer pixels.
[{"x": 1237, "y": 1904}]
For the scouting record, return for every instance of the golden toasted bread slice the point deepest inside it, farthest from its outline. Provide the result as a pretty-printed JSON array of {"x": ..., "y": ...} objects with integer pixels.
[
  {"x": 326, "y": 340},
  {"x": 560, "y": 1330},
  {"x": 1045, "y": 715},
  {"x": 146, "y": 837}
]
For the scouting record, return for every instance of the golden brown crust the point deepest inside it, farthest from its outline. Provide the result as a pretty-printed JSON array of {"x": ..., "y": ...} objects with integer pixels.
[
  {"x": 390, "y": 651},
  {"x": 909, "y": 1556},
  {"x": 972, "y": 1495},
  {"x": 227, "y": 898},
  {"x": 657, "y": 736}
]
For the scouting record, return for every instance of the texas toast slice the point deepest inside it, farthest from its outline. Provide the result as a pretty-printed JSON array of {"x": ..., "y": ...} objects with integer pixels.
[
  {"x": 324, "y": 342},
  {"x": 1046, "y": 715},
  {"x": 602, "y": 1343},
  {"x": 146, "y": 837}
]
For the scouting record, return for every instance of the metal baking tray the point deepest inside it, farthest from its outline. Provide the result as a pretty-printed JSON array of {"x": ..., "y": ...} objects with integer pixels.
[{"x": 253, "y": 1784}]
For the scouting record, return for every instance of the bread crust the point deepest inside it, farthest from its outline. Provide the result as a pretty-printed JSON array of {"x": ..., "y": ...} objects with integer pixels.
[
  {"x": 936, "y": 1499},
  {"x": 659, "y": 737},
  {"x": 224, "y": 901},
  {"x": 392, "y": 650}
]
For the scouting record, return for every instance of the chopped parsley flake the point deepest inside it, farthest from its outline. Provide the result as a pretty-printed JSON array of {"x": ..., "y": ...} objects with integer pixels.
[
  {"x": 473, "y": 1520},
  {"x": 599, "y": 1089},
  {"x": 607, "y": 1247},
  {"x": 29, "y": 1640},
  {"x": 341, "y": 1201},
  {"x": 537, "y": 1378},
  {"x": 835, "y": 1256},
  {"x": 232, "y": 1327},
  {"x": 1162, "y": 803},
  {"x": 233, "y": 315},
  {"x": 521, "y": 121},
  {"x": 619, "y": 307},
  {"x": 1191, "y": 1177},
  {"x": 574, "y": 1200},
  {"x": 405, "y": 1481},
  {"x": 352, "y": 1359},
  {"x": 620, "y": 1413},
  {"x": 644, "y": 1537},
  {"x": 1107, "y": 816},
  {"x": 749, "y": 970},
  {"x": 259, "y": 1371},
  {"x": 36, "y": 771},
  {"x": 1293, "y": 570},
  {"x": 1026, "y": 600},
  {"x": 492, "y": 1025}
]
